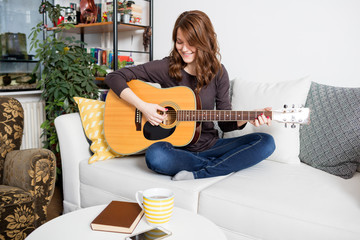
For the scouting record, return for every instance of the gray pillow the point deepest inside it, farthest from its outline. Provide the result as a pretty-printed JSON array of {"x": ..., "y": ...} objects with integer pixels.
[{"x": 332, "y": 140}]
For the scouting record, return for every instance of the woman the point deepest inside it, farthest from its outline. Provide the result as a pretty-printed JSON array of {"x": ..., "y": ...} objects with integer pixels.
[{"x": 194, "y": 62}]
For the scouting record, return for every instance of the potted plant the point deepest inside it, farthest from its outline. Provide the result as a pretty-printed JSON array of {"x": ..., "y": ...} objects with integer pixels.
[
  {"x": 67, "y": 71},
  {"x": 53, "y": 11},
  {"x": 125, "y": 11}
]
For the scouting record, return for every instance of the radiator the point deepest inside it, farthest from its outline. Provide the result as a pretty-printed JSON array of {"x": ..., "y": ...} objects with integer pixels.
[{"x": 34, "y": 116}]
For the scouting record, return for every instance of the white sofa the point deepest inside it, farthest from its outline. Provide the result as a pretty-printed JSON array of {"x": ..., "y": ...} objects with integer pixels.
[{"x": 272, "y": 200}]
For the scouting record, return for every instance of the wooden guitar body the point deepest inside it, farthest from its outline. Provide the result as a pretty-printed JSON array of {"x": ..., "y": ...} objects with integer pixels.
[{"x": 128, "y": 132}]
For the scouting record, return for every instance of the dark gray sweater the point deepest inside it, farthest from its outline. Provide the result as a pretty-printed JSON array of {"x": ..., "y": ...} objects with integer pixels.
[{"x": 215, "y": 94}]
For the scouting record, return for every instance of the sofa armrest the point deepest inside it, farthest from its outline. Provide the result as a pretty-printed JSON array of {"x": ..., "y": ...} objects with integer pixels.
[
  {"x": 74, "y": 148},
  {"x": 34, "y": 171}
]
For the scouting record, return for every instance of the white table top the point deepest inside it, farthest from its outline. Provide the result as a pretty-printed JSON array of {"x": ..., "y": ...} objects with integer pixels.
[{"x": 76, "y": 225}]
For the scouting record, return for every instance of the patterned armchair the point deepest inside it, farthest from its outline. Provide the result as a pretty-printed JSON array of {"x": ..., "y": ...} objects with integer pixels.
[{"x": 27, "y": 177}]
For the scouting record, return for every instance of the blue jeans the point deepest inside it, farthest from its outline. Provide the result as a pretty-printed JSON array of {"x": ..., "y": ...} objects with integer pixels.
[{"x": 226, "y": 156}]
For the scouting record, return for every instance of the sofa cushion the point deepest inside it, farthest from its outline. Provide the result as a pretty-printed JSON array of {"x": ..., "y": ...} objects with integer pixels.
[
  {"x": 332, "y": 141},
  {"x": 249, "y": 95},
  {"x": 92, "y": 118},
  {"x": 18, "y": 216},
  {"x": 10, "y": 195},
  {"x": 285, "y": 201},
  {"x": 119, "y": 179},
  {"x": 11, "y": 128}
]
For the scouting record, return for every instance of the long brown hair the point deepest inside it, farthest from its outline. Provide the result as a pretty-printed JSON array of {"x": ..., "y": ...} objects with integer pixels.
[{"x": 199, "y": 32}]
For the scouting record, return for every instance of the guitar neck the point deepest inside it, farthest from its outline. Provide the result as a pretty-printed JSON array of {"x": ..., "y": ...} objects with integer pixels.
[{"x": 219, "y": 115}]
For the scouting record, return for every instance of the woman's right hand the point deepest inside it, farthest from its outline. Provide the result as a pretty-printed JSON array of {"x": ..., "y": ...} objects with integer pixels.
[{"x": 154, "y": 113}]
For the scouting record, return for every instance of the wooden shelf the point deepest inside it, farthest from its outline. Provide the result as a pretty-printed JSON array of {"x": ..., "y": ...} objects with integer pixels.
[
  {"x": 100, "y": 78},
  {"x": 101, "y": 27}
]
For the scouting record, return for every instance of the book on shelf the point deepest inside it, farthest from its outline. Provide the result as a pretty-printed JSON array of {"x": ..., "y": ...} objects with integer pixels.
[
  {"x": 105, "y": 57},
  {"x": 118, "y": 216}
]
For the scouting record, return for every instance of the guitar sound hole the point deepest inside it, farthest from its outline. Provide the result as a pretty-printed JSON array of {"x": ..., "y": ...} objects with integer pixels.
[{"x": 171, "y": 116}]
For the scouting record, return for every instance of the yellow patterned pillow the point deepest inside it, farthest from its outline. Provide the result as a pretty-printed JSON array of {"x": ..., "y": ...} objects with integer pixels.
[{"x": 92, "y": 118}]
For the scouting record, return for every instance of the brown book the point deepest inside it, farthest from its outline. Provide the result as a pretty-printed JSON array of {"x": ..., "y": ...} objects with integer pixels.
[{"x": 118, "y": 216}]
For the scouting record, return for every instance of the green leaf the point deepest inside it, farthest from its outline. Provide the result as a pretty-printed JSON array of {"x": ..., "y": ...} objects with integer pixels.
[
  {"x": 56, "y": 93},
  {"x": 64, "y": 90}
]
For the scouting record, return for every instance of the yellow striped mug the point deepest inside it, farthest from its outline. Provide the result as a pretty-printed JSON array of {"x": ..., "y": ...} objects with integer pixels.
[{"x": 158, "y": 204}]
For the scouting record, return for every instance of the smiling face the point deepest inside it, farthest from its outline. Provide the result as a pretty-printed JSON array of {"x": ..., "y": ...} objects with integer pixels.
[
  {"x": 186, "y": 51},
  {"x": 195, "y": 49}
]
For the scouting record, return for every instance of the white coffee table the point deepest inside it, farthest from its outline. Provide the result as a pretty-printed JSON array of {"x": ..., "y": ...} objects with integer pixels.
[{"x": 76, "y": 225}]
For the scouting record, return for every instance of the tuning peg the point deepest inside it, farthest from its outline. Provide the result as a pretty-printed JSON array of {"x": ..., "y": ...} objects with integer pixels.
[
  {"x": 293, "y": 125},
  {"x": 293, "y": 106},
  {"x": 285, "y": 106},
  {"x": 285, "y": 125}
]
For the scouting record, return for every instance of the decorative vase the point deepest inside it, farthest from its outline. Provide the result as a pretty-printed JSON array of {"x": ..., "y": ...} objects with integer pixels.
[
  {"x": 88, "y": 11},
  {"x": 125, "y": 18}
]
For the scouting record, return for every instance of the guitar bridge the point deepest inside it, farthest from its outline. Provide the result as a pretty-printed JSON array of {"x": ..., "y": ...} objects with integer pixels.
[{"x": 138, "y": 117}]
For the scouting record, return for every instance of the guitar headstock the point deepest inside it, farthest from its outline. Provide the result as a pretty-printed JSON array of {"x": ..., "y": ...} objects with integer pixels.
[{"x": 294, "y": 115}]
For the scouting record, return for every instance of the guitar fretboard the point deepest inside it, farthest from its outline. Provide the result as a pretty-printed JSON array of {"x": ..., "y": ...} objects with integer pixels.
[{"x": 219, "y": 115}]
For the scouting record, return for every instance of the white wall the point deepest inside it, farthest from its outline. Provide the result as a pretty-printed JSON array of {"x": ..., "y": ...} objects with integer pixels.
[{"x": 276, "y": 40}]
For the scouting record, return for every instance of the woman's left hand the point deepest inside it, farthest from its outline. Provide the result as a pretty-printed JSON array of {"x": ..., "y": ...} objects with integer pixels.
[{"x": 262, "y": 119}]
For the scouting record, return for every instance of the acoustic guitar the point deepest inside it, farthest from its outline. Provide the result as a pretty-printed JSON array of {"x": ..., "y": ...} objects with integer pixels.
[{"x": 127, "y": 131}]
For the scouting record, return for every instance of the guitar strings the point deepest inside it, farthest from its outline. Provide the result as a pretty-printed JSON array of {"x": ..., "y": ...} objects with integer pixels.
[{"x": 198, "y": 115}]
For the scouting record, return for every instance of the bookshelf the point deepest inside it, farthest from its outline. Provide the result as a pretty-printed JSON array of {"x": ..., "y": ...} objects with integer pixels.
[{"x": 116, "y": 27}]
